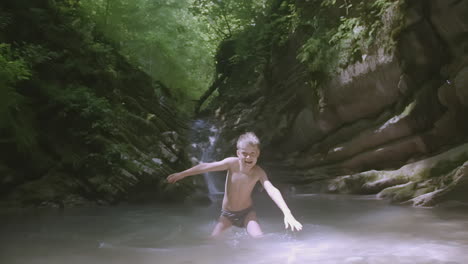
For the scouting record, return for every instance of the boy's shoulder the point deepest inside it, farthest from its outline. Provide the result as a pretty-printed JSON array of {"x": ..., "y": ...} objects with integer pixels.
[
  {"x": 259, "y": 170},
  {"x": 231, "y": 161}
]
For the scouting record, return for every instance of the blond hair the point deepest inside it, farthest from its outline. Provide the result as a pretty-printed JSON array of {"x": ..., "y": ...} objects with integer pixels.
[{"x": 248, "y": 138}]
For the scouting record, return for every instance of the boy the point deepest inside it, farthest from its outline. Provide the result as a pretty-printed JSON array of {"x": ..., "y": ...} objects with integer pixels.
[{"x": 242, "y": 175}]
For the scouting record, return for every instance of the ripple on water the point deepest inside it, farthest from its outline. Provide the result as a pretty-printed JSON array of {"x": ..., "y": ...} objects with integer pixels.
[{"x": 337, "y": 230}]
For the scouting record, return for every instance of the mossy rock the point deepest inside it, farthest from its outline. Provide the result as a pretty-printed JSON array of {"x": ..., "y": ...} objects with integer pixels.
[
  {"x": 399, "y": 193},
  {"x": 383, "y": 183},
  {"x": 49, "y": 191},
  {"x": 443, "y": 167},
  {"x": 425, "y": 190},
  {"x": 354, "y": 183}
]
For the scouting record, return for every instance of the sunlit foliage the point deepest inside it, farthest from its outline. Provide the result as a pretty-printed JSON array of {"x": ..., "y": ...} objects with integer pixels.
[
  {"x": 162, "y": 37},
  {"x": 228, "y": 17},
  {"x": 174, "y": 41}
]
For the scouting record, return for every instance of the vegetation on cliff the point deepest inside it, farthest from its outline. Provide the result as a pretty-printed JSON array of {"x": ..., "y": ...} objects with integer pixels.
[
  {"x": 96, "y": 94},
  {"x": 79, "y": 122}
]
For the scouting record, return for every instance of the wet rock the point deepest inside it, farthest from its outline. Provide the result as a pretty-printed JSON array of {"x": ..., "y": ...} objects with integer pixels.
[
  {"x": 377, "y": 78},
  {"x": 379, "y": 185},
  {"x": 404, "y": 84},
  {"x": 304, "y": 129},
  {"x": 170, "y": 137},
  {"x": 167, "y": 153},
  {"x": 449, "y": 18},
  {"x": 448, "y": 97},
  {"x": 461, "y": 86},
  {"x": 398, "y": 193},
  {"x": 454, "y": 189},
  {"x": 423, "y": 183},
  {"x": 157, "y": 161}
]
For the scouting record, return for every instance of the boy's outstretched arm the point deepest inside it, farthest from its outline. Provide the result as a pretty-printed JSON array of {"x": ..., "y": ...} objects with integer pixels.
[
  {"x": 275, "y": 194},
  {"x": 201, "y": 168}
]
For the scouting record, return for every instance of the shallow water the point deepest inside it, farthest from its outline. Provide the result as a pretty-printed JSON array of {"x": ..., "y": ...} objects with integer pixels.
[{"x": 337, "y": 229}]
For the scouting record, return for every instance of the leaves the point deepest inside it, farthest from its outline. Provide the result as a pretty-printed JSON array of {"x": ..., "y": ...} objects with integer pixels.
[
  {"x": 14, "y": 113},
  {"x": 346, "y": 42},
  {"x": 162, "y": 37}
]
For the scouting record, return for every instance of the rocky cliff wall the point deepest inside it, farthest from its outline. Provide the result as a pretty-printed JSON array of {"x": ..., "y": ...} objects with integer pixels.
[{"x": 401, "y": 102}]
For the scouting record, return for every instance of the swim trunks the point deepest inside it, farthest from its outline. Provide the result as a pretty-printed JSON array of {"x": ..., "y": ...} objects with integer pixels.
[{"x": 237, "y": 218}]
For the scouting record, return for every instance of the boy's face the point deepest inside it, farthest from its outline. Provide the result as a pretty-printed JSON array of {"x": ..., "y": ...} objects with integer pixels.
[{"x": 248, "y": 155}]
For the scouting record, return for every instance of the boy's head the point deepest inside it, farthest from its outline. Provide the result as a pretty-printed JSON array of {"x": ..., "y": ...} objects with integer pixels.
[{"x": 248, "y": 149}]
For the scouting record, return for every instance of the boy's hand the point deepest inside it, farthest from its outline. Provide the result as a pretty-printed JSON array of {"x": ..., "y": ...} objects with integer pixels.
[
  {"x": 174, "y": 177},
  {"x": 290, "y": 221}
]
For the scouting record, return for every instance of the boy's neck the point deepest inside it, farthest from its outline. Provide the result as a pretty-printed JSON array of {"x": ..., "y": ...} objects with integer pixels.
[{"x": 245, "y": 170}]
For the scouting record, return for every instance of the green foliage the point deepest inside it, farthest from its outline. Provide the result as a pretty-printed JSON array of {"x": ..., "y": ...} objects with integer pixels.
[
  {"x": 285, "y": 22},
  {"x": 163, "y": 38},
  {"x": 5, "y": 19},
  {"x": 317, "y": 52},
  {"x": 71, "y": 104},
  {"x": 93, "y": 111},
  {"x": 229, "y": 17},
  {"x": 175, "y": 41},
  {"x": 335, "y": 45},
  {"x": 14, "y": 113}
]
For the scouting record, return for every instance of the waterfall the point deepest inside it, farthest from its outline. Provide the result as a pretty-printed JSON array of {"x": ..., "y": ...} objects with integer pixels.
[{"x": 204, "y": 138}]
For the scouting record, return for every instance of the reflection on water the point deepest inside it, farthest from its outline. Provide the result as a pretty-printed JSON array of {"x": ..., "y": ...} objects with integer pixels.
[{"x": 337, "y": 229}]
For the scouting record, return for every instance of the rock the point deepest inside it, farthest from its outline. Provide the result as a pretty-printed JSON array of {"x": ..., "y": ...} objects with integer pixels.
[
  {"x": 194, "y": 161},
  {"x": 129, "y": 175},
  {"x": 449, "y": 19},
  {"x": 304, "y": 129},
  {"x": 352, "y": 183},
  {"x": 455, "y": 190},
  {"x": 447, "y": 96},
  {"x": 379, "y": 185},
  {"x": 167, "y": 153},
  {"x": 423, "y": 183},
  {"x": 404, "y": 84},
  {"x": 388, "y": 155},
  {"x": 170, "y": 137},
  {"x": 398, "y": 193},
  {"x": 461, "y": 86},
  {"x": 73, "y": 200},
  {"x": 414, "y": 13},
  {"x": 425, "y": 199},
  {"x": 376, "y": 78},
  {"x": 157, "y": 161}
]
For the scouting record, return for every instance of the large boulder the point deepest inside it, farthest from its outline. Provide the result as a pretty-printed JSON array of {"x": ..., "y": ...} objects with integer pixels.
[{"x": 423, "y": 183}]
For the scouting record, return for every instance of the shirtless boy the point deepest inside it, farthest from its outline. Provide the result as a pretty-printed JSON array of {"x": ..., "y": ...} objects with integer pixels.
[{"x": 242, "y": 175}]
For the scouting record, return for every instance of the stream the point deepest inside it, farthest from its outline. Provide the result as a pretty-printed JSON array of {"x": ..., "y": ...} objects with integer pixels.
[{"x": 337, "y": 229}]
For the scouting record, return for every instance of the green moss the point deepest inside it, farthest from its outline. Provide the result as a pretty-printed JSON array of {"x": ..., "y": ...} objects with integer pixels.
[
  {"x": 445, "y": 166},
  {"x": 354, "y": 183},
  {"x": 424, "y": 190},
  {"x": 363, "y": 27},
  {"x": 399, "y": 193},
  {"x": 423, "y": 174}
]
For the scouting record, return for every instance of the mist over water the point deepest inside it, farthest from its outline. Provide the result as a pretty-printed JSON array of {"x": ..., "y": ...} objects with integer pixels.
[{"x": 337, "y": 229}]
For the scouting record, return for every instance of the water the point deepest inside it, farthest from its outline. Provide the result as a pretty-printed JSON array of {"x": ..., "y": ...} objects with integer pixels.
[
  {"x": 204, "y": 137},
  {"x": 337, "y": 229}
]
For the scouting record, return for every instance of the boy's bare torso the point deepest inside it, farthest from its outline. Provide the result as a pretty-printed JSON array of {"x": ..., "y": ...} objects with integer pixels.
[{"x": 239, "y": 186}]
